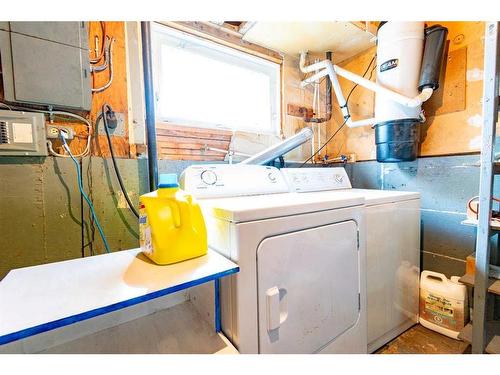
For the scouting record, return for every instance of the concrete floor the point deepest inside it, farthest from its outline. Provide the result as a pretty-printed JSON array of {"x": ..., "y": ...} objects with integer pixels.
[{"x": 420, "y": 340}]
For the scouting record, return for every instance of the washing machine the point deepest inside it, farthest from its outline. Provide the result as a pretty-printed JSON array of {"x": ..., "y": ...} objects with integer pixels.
[
  {"x": 392, "y": 246},
  {"x": 301, "y": 286}
]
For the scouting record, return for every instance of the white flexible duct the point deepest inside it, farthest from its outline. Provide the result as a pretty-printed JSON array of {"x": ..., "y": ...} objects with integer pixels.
[
  {"x": 327, "y": 68},
  {"x": 281, "y": 148}
]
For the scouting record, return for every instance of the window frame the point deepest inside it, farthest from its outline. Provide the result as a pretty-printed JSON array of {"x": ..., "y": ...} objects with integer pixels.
[{"x": 213, "y": 49}]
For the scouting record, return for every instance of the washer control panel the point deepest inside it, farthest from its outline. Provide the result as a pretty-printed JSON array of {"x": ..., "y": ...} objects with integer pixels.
[
  {"x": 223, "y": 180},
  {"x": 316, "y": 179}
]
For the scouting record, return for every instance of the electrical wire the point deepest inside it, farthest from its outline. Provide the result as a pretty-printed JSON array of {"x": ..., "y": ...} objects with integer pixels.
[
  {"x": 366, "y": 71},
  {"x": 342, "y": 145},
  {"x": 476, "y": 212},
  {"x": 82, "y": 192},
  {"x": 90, "y": 182},
  {"x": 106, "y": 108},
  {"x": 110, "y": 80},
  {"x": 324, "y": 144},
  {"x": 99, "y": 56},
  {"x": 104, "y": 65},
  {"x": 60, "y": 114}
]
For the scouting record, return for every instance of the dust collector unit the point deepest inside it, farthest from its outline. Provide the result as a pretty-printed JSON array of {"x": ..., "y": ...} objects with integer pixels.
[{"x": 409, "y": 59}]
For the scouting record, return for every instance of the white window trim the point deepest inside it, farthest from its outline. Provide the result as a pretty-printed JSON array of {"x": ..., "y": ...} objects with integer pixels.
[{"x": 240, "y": 58}]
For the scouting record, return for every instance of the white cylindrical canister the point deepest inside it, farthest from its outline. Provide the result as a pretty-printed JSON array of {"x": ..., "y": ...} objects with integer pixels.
[
  {"x": 399, "y": 55},
  {"x": 443, "y": 303}
]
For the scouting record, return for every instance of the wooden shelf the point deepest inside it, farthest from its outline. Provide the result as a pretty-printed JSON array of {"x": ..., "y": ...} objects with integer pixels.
[
  {"x": 493, "y": 284},
  {"x": 495, "y": 225},
  {"x": 466, "y": 333},
  {"x": 494, "y": 346},
  {"x": 492, "y": 336},
  {"x": 496, "y": 167}
]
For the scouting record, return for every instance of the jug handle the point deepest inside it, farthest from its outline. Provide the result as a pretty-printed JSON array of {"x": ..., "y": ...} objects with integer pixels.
[
  {"x": 436, "y": 275},
  {"x": 176, "y": 215}
]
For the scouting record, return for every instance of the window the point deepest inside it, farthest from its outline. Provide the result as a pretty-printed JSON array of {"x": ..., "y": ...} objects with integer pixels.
[{"x": 201, "y": 83}]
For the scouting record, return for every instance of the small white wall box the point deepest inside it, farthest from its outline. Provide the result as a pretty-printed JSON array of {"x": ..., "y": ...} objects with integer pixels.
[{"x": 22, "y": 134}]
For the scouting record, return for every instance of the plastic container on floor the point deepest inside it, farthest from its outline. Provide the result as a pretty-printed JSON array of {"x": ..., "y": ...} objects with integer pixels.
[
  {"x": 443, "y": 303},
  {"x": 171, "y": 225}
]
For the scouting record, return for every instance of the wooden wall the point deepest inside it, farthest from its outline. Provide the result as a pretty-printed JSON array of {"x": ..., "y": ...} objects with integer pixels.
[
  {"x": 185, "y": 143},
  {"x": 115, "y": 96},
  {"x": 454, "y": 118},
  {"x": 448, "y": 129},
  {"x": 294, "y": 94}
]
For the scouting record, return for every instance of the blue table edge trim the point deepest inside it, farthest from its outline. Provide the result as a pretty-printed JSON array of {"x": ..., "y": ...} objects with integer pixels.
[
  {"x": 218, "y": 325},
  {"x": 14, "y": 336}
]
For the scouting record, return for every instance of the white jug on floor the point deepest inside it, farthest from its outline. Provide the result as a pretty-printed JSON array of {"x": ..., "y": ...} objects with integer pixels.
[{"x": 443, "y": 303}]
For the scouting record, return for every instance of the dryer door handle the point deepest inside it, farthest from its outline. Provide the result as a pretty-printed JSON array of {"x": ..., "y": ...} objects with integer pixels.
[{"x": 276, "y": 307}]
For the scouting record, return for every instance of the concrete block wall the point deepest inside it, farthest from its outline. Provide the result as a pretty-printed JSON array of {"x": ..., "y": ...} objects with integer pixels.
[
  {"x": 40, "y": 212},
  {"x": 446, "y": 184},
  {"x": 40, "y": 204},
  {"x": 41, "y": 208}
]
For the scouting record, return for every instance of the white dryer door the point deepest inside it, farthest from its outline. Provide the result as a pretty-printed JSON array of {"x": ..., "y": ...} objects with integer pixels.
[{"x": 308, "y": 284}]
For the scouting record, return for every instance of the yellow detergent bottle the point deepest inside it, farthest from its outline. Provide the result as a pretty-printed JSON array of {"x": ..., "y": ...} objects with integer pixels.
[{"x": 171, "y": 225}]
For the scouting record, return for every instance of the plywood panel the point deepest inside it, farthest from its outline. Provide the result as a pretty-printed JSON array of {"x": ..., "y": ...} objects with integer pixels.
[
  {"x": 452, "y": 127},
  {"x": 221, "y": 36},
  {"x": 294, "y": 94},
  {"x": 361, "y": 104},
  {"x": 460, "y": 132},
  {"x": 343, "y": 38},
  {"x": 115, "y": 96},
  {"x": 450, "y": 97}
]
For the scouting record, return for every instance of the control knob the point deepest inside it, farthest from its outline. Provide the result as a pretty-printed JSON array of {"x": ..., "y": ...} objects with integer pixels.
[{"x": 209, "y": 177}]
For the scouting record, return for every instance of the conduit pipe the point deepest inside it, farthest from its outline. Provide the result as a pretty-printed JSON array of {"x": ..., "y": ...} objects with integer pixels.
[
  {"x": 150, "y": 104},
  {"x": 326, "y": 68},
  {"x": 328, "y": 115}
]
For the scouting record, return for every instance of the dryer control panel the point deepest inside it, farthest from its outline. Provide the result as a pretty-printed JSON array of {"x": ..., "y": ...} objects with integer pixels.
[
  {"x": 316, "y": 179},
  {"x": 232, "y": 180}
]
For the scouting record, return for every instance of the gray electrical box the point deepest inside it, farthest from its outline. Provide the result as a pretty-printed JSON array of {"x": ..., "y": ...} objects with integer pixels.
[
  {"x": 22, "y": 134},
  {"x": 46, "y": 63}
]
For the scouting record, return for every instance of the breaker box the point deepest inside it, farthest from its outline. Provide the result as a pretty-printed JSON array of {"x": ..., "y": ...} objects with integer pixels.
[
  {"x": 46, "y": 63},
  {"x": 22, "y": 134}
]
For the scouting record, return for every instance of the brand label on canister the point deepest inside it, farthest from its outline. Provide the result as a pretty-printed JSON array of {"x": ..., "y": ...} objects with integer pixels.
[
  {"x": 389, "y": 64},
  {"x": 443, "y": 311}
]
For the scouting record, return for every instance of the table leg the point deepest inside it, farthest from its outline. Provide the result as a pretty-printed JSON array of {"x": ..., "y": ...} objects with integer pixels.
[{"x": 217, "y": 305}]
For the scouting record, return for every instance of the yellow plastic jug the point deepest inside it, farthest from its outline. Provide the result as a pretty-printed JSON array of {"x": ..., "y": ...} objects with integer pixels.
[{"x": 171, "y": 225}]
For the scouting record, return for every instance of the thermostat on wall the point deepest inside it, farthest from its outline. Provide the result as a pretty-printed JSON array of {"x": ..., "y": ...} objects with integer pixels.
[{"x": 22, "y": 134}]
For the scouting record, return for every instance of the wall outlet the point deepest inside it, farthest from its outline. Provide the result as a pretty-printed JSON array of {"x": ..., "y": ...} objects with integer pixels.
[
  {"x": 119, "y": 129},
  {"x": 53, "y": 131}
]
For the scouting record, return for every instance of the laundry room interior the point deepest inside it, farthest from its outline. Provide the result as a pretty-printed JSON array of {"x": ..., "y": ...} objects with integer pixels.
[{"x": 249, "y": 187}]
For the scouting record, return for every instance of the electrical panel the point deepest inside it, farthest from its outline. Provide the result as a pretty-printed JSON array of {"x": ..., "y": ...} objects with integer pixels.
[
  {"x": 46, "y": 63},
  {"x": 22, "y": 134}
]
